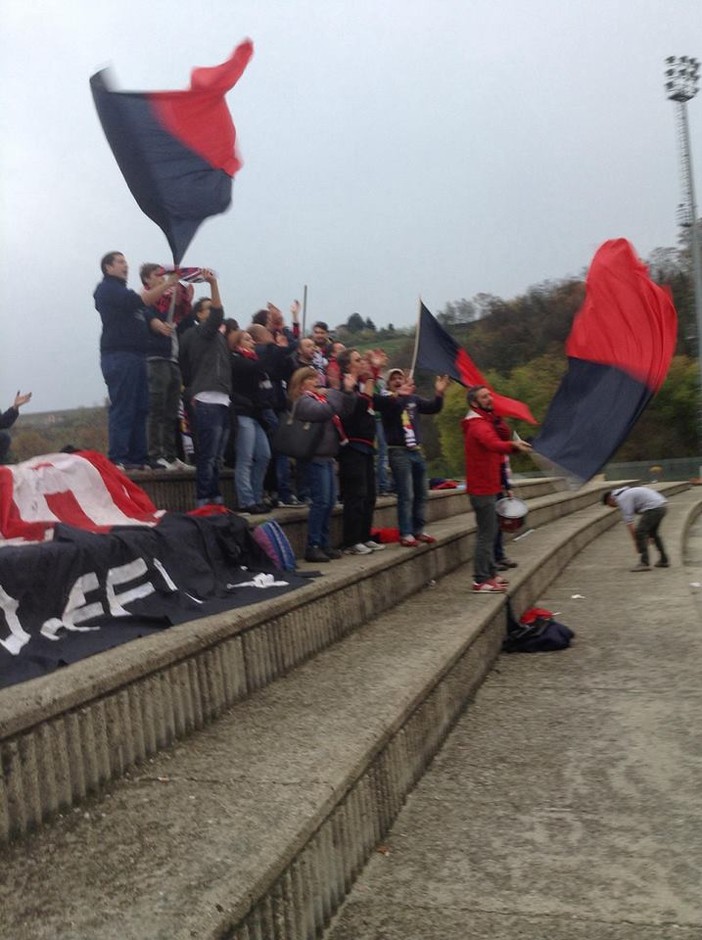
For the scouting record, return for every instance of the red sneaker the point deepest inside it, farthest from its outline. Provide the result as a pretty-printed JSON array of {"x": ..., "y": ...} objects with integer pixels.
[
  {"x": 427, "y": 539},
  {"x": 409, "y": 541},
  {"x": 489, "y": 587}
]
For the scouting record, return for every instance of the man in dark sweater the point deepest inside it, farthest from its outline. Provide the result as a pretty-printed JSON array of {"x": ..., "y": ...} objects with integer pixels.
[
  {"x": 126, "y": 321},
  {"x": 399, "y": 410}
]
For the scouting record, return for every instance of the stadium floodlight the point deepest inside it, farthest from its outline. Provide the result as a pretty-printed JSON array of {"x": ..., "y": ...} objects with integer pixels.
[{"x": 683, "y": 82}]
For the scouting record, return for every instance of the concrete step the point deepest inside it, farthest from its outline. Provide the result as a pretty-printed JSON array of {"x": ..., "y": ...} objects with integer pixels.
[
  {"x": 565, "y": 803},
  {"x": 176, "y": 491},
  {"x": 257, "y": 826}
]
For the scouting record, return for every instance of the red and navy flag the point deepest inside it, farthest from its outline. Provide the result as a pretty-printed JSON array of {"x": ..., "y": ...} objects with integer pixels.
[
  {"x": 619, "y": 351},
  {"x": 176, "y": 149},
  {"x": 440, "y": 353}
]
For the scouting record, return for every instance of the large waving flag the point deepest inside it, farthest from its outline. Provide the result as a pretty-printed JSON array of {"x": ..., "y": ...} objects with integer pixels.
[
  {"x": 176, "y": 149},
  {"x": 439, "y": 352},
  {"x": 619, "y": 351}
]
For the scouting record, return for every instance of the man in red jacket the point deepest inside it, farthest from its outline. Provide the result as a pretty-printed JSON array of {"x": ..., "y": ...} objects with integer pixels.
[{"x": 486, "y": 441}]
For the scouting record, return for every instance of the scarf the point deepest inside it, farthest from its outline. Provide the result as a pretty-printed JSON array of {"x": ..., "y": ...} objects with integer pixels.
[
  {"x": 503, "y": 432},
  {"x": 335, "y": 419}
]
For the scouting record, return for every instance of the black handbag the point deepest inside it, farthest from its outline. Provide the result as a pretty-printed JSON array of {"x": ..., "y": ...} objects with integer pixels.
[{"x": 296, "y": 438}]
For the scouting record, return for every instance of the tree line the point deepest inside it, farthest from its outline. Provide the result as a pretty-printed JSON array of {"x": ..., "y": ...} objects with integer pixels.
[{"x": 518, "y": 344}]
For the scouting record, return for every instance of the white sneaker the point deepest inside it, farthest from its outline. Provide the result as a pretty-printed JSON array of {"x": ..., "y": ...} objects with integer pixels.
[
  {"x": 375, "y": 546},
  {"x": 162, "y": 464},
  {"x": 181, "y": 465},
  {"x": 358, "y": 549}
]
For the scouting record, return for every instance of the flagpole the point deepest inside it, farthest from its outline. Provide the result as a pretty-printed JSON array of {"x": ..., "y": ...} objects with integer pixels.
[
  {"x": 171, "y": 310},
  {"x": 416, "y": 337},
  {"x": 304, "y": 308}
]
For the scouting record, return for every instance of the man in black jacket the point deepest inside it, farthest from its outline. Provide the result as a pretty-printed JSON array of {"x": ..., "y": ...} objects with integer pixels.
[
  {"x": 7, "y": 419},
  {"x": 204, "y": 363}
]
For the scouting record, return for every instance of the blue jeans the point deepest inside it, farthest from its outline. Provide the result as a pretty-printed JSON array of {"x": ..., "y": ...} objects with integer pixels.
[
  {"x": 211, "y": 433},
  {"x": 410, "y": 473},
  {"x": 323, "y": 486},
  {"x": 252, "y": 455},
  {"x": 487, "y": 525},
  {"x": 127, "y": 383}
]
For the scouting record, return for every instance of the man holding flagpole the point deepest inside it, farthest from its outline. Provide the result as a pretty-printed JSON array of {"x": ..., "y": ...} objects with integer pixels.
[{"x": 485, "y": 445}]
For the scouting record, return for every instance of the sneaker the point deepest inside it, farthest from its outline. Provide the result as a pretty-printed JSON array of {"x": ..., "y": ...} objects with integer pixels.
[
  {"x": 662, "y": 564},
  {"x": 316, "y": 554},
  {"x": 409, "y": 541},
  {"x": 641, "y": 567},
  {"x": 332, "y": 553},
  {"x": 375, "y": 546},
  {"x": 489, "y": 587},
  {"x": 255, "y": 509},
  {"x": 505, "y": 563},
  {"x": 291, "y": 502},
  {"x": 498, "y": 580},
  {"x": 162, "y": 463},
  {"x": 358, "y": 549},
  {"x": 427, "y": 539},
  {"x": 182, "y": 466}
]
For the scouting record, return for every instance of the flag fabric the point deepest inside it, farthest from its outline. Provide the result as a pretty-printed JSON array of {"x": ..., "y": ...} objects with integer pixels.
[
  {"x": 81, "y": 489},
  {"x": 85, "y": 592},
  {"x": 87, "y": 562},
  {"x": 619, "y": 352},
  {"x": 188, "y": 275},
  {"x": 440, "y": 353},
  {"x": 176, "y": 149}
]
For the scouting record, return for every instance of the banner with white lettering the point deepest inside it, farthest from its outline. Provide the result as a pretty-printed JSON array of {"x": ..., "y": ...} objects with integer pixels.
[{"x": 85, "y": 592}]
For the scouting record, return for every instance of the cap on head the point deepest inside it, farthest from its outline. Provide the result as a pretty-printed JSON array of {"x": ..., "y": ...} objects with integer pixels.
[{"x": 395, "y": 372}]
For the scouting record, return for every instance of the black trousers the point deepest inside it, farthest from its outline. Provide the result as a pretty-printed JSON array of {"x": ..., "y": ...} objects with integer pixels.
[
  {"x": 647, "y": 528},
  {"x": 357, "y": 483}
]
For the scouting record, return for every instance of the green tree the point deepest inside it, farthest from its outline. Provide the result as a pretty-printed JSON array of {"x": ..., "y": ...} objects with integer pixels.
[{"x": 355, "y": 323}]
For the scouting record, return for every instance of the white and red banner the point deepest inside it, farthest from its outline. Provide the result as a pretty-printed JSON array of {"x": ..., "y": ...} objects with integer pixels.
[{"x": 84, "y": 490}]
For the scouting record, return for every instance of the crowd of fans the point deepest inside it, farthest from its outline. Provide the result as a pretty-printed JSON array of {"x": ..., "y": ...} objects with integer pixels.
[{"x": 192, "y": 389}]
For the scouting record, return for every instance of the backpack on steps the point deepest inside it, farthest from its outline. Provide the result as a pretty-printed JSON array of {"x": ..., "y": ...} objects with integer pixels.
[{"x": 274, "y": 542}]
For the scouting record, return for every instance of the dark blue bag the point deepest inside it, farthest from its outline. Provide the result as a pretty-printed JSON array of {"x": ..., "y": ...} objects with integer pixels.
[{"x": 535, "y": 632}]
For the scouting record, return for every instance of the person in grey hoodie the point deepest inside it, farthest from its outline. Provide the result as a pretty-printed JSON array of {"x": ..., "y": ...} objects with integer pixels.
[{"x": 329, "y": 405}]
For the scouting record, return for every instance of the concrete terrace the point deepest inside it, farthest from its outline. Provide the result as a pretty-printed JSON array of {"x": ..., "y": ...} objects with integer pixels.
[{"x": 231, "y": 777}]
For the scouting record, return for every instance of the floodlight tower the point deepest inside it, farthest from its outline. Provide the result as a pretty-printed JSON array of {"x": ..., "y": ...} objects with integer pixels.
[{"x": 682, "y": 76}]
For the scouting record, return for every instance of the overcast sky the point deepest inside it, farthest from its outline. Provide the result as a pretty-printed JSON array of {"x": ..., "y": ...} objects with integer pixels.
[{"x": 391, "y": 148}]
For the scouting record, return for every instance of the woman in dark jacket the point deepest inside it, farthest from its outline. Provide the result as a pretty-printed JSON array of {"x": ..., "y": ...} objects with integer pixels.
[
  {"x": 251, "y": 445},
  {"x": 314, "y": 403}
]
